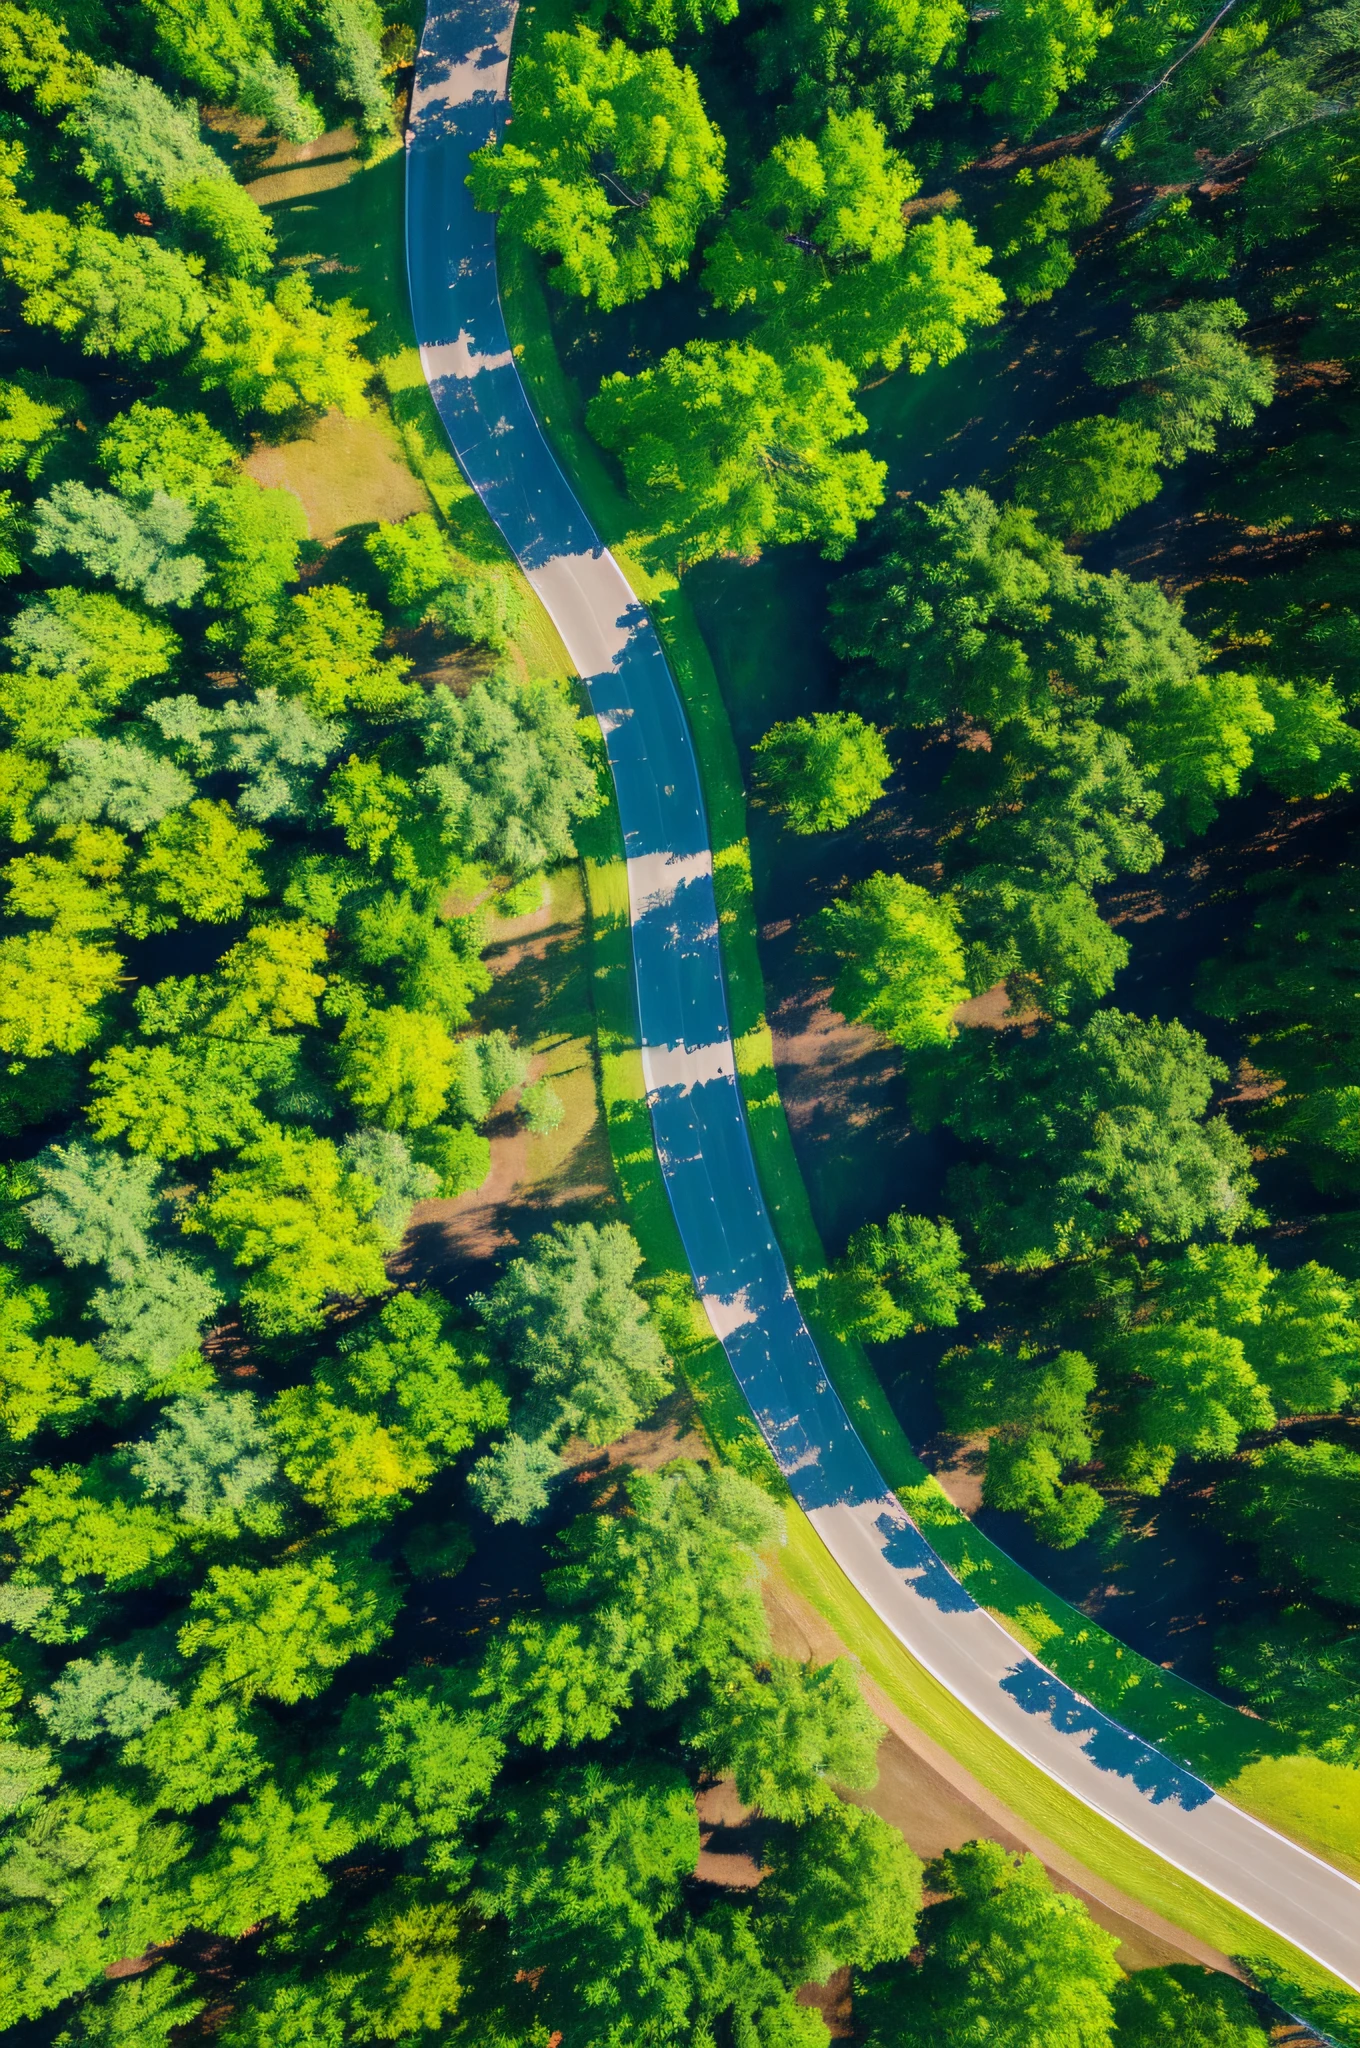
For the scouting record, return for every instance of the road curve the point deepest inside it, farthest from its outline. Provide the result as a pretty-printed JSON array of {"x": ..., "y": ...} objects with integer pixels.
[{"x": 701, "y": 1135}]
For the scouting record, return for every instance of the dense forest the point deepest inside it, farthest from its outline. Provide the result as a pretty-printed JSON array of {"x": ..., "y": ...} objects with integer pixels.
[{"x": 264, "y": 1777}]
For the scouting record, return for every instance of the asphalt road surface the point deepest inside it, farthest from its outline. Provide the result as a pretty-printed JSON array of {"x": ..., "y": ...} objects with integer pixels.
[{"x": 697, "y": 1116}]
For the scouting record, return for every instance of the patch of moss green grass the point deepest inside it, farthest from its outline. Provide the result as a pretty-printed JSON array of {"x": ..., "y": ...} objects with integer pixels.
[{"x": 350, "y": 238}]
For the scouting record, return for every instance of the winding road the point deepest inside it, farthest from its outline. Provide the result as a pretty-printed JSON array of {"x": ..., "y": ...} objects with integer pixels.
[{"x": 697, "y": 1115}]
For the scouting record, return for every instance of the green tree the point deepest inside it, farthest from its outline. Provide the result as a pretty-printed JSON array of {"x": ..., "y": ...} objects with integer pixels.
[
  {"x": 1185, "y": 1389},
  {"x": 354, "y": 62},
  {"x": 197, "y": 863},
  {"x": 1034, "y": 54},
  {"x": 274, "y": 743},
  {"x": 119, "y": 295},
  {"x": 82, "y": 650},
  {"x": 1301, "y": 1671},
  {"x": 842, "y": 1889},
  {"x": 726, "y": 449},
  {"x": 407, "y": 1394},
  {"x": 285, "y": 1631},
  {"x": 788, "y": 1734},
  {"x": 103, "y": 1698},
  {"x": 1007, "y": 1959},
  {"x": 34, "y": 410},
  {"x": 972, "y": 613},
  {"x": 46, "y": 1381},
  {"x": 417, "y": 1763},
  {"x": 1098, "y": 1132},
  {"x": 903, "y": 972},
  {"x": 580, "y": 1869},
  {"x": 326, "y": 649},
  {"x": 673, "y": 1587},
  {"x": 1289, "y": 980},
  {"x": 294, "y": 1218},
  {"x": 821, "y": 251},
  {"x": 52, "y": 989},
  {"x": 228, "y": 228},
  {"x": 825, "y": 56},
  {"x": 434, "y": 966},
  {"x": 136, "y": 142},
  {"x": 1085, "y": 475},
  {"x": 117, "y": 779},
  {"x": 226, "y": 47},
  {"x": 664, "y": 20},
  {"x": 1296, "y": 1503},
  {"x": 612, "y": 165},
  {"x": 508, "y": 770},
  {"x": 36, "y": 58},
  {"x": 137, "y": 547},
  {"x": 282, "y": 356},
  {"x": 902, "y": 1275},
  {"x": 396, "y": 1066},
  {"x": 1033, "y": 1413},
  {"x": 1192, "y": 372},
  {"x": 140, "y": 2012},
  {"x": 156, "y": 448},
  {"x": 580, "y": 1346},
  {"x": 1183, "y": 2004},
  {"x": 251, "y": 540},
  {"x": 820, "y": 773},
  {"x": 211, "y": 1457},
  {"x": 1031, "y": 221}
]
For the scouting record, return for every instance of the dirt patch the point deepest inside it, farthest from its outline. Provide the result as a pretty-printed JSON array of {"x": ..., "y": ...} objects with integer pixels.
[
  {"x": 670, "y": 1431},
  {"x": 540, "y": 995},
  {"x": 938, "y": 1805},
  {"x": 343, "y": 473}
]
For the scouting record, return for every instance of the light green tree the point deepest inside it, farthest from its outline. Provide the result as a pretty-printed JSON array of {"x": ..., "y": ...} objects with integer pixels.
[
  {"x": 326, "y": 649},
  {"x": 282, "y": 355},
  {"x": 294, "y": 1218},
  {"x": 119, "y": 295},
  {"x": 52, "y": 988},
  {"x": 283, "y": 1632},
  {"x": 1037, "y": 211},
  {"x": 820, "y": 773},
  {"x": 396, "y": 1066},
  {"x": 197, "y": 863},
  {"x": 583, "y": 1352},
  {"x": 611, "y": 165},
  {"x": 903, "y": 971},
  {"x": 821, "y": 251},
  {"x": 224, "y": 225},
  {"x": 726, "y": 449}
]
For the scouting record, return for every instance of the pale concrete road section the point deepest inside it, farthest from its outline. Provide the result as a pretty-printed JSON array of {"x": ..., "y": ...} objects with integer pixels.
[{"x": 700, "y": 1127}]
